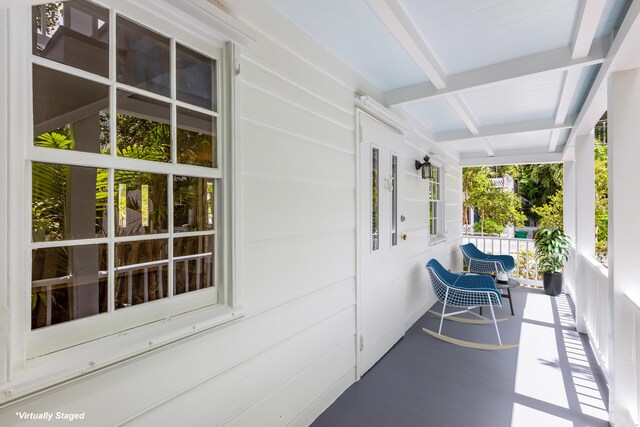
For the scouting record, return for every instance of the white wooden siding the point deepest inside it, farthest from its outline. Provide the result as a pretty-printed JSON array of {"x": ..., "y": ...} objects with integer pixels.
[{"x": 295, "y": 352}]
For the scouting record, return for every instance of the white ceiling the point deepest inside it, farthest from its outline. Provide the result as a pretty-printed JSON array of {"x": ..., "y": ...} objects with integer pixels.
[{"x": 488, "y": 78}]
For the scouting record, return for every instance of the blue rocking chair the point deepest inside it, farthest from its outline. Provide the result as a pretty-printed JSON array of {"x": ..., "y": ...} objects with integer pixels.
[
  {"x": 470, "y": 291},
  {"x": 482, "y": 263},
  {"x": 499, "y": 266}
]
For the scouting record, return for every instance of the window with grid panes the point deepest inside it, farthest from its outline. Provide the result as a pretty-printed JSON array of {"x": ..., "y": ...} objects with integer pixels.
[
  {"x": 435, "y": 203},
  {"x": 125, "y": 171}
]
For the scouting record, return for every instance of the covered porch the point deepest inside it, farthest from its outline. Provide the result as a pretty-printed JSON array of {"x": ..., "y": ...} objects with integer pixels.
[{"x": 323, "y": 222}]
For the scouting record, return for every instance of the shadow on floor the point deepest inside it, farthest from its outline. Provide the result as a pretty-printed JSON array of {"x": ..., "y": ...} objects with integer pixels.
[{"x": 551, "y": 379}]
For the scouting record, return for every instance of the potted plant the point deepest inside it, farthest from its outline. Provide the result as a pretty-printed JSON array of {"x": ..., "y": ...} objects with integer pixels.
[{"x": 552, "y": 253}]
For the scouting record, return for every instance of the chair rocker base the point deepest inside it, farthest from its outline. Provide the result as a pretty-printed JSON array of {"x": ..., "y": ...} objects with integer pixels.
[
  {"x": 486, "y": 321},
  {"x": 470, "y": 344}
]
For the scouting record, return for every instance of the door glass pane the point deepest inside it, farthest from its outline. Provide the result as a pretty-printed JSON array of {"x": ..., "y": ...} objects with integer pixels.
[
  {"x": 143, "y": 59},
  {"x": 193, "y": 204},
  {"x": 140, "y": 203},
  {"x": 141, "y": 272},
  {"x": 195, "y": 78},
  {"x": 196, "y": 138},
  {"x": 67, "y": 283},
  {"x": 75, "y": 33},
  {"x": 375, "y": 208},
  {"x": 143, "y": 128},
  {"x": 394, "y": 200},
  {"x": 193, "y": 263},
  {"x": 69, "y": 113},
  {"x": 68, "y": 202}
]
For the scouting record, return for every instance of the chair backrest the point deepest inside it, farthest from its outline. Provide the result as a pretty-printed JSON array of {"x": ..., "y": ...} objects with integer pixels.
[
  {"x": 440, "y": 278},
  {"x": 471, "y": 251}
]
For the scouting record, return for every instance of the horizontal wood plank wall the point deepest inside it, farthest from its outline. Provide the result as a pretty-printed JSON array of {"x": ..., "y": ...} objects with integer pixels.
[{"x": 295, "y": 352}]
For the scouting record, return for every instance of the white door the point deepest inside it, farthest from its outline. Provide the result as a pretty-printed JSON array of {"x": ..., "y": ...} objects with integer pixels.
[{"x": 380, "y": 292}]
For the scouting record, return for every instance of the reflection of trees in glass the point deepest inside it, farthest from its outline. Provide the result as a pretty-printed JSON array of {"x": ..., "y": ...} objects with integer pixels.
[
  {"x": 143, "y": 139},
  {"x": 54, "y": 14},
  {"x": 157, "y": 187},
  {"x": 194, "y": 148},
  {"x": 193, "y": 203},
  {"x": 52, "y": 193}
]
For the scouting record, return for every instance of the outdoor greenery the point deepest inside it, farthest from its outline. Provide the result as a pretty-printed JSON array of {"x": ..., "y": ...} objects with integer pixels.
[
  {"x": 540, "y": 197},
  {"x": 602, "y": 199},
  {"x": 552, "y": 249},
  {"x": 496, "y": 208}
]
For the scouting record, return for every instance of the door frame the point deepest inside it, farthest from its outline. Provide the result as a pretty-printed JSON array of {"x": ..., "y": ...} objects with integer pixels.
[{"x": 377, "y": 112}]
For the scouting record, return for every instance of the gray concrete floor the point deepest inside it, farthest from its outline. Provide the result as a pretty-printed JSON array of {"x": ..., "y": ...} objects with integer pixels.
[{"x": 550, "y": 380}]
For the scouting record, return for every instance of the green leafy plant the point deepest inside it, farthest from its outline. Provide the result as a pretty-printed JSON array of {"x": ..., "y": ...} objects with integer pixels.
[
  {"x": 526, "y": 267},
  {"x": 552, "y": 249}
]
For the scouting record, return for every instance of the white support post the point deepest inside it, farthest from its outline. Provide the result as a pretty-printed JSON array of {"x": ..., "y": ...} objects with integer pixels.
[
  {"x": 569, "y": 224},
  {"x": 585, "y": 240},
  {"x": 624, "y": 235}
]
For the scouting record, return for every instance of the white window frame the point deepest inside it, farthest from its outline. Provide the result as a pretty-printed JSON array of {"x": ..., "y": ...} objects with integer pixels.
[
  {"x": 439, "y": 236},
  {"x": 34, "y": 360}
]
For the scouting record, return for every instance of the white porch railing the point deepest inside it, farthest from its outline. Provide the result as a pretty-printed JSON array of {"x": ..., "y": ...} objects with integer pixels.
[
  {"x": 631, "y": 356},
  {"x": 598, "y": 314},
  {"x": 523, "y": 250}
]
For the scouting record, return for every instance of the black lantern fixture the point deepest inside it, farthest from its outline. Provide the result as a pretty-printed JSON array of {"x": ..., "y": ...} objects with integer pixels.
[{"x": 425, "y": 167}]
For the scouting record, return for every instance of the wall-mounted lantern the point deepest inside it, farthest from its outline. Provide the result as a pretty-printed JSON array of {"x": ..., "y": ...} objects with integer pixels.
[{"x": 425, "y": 167}]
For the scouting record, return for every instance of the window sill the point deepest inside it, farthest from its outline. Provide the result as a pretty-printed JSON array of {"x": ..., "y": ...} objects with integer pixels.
[
  {"x": 434, "y": 240},
  {"x": 50, "y": 371}
]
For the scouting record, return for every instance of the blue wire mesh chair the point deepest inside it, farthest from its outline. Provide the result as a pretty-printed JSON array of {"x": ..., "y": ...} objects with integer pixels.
[
  {"x": 470, "y": 291},
  {"x": 481, "y": 263}
]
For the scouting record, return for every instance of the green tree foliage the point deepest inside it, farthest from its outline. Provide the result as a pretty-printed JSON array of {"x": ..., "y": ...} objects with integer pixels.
[
  {"x": 539, "y": 184},
  {"x": 497, "y": 209},
  {"x": 602, "y": 199},
  {"x": 550, "y": 213}
]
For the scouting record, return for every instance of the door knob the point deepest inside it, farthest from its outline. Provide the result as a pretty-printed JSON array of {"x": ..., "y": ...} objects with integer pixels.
[{"x": 404, "y": 236}]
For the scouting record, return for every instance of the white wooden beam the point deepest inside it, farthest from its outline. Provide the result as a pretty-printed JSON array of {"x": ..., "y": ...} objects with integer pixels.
[
  {"x": 503, "y": 129},
  {"x": 553, "y": 140},
  {"x": 396, "y": 20},
  {"x": 622, "y": 55},
  {"x": 461, "y": 108},
  {"x": 590, "y": 14},
  {"x": 554, "y": 60},
  {"x": 569, "y": 86},
  {"x": 486, "y": 144},
  {"x": 521, "y": 159}
]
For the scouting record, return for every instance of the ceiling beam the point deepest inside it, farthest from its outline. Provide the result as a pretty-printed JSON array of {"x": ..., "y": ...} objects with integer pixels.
[
  {"x": 623, "y": 54},
  {"x": 486, "y": 144},
  {"x": 503, "y": 129},
  {"x": 569, "y": 86},
  {"x": 555, "y": 60},
  {"x": 463, "y": 111},
  {"x": 518, "y": 159},
  {"x": 399, "y": 24},
  {"x": 590, "y": 14},
  {"x": 553, "y": 140}
]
